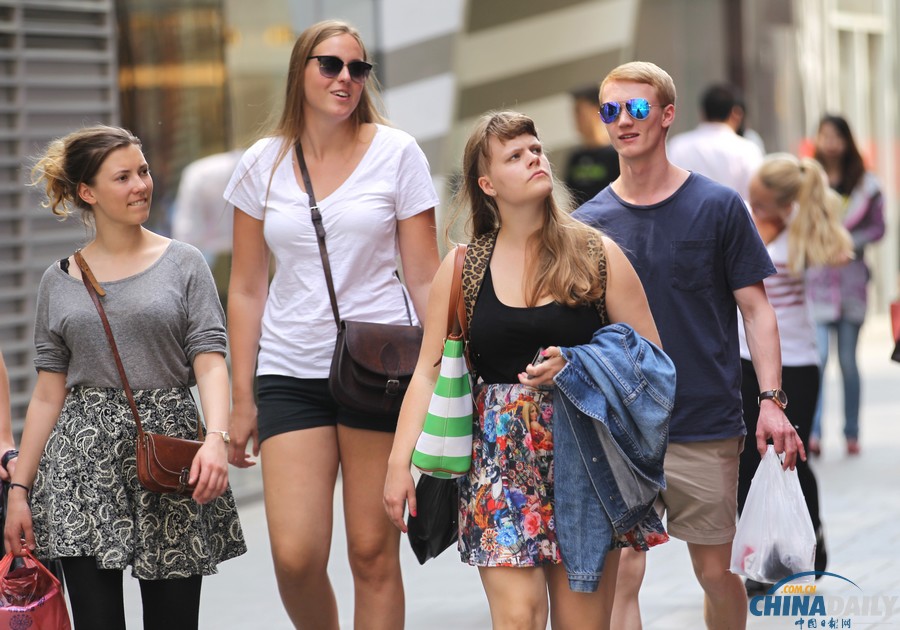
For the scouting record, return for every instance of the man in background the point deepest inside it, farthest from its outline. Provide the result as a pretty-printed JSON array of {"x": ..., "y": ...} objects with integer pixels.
[
  {"x": 200, "y": 216},
  {"x": 714, "y": 148},
  {"x": 595, "y": 164}
]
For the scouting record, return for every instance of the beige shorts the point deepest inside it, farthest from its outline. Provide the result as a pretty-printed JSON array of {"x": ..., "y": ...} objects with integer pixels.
[{"x": 700, "y": 499}]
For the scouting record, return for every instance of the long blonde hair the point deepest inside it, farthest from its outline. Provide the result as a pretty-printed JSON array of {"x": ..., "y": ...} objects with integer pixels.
[
  {"x": 815, "y": 235},
  {"x": 290, "y": 124},
  {"x": 562, "y": 269}
]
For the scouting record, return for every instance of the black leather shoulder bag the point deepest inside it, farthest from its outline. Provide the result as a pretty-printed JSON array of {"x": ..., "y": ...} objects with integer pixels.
[{"x": 373, "y": 363}]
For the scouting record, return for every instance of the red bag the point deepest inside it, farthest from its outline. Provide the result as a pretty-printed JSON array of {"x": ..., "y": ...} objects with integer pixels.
[
  {"x": 895, "y": 320},
  {"x": 895, "y": 325},
  {"x": 31, "y": 597}
]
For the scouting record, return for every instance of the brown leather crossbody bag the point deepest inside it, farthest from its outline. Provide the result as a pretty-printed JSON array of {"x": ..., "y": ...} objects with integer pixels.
[
  {"x": 163, "y": 462},
  {"x": 372, "y": 363}
]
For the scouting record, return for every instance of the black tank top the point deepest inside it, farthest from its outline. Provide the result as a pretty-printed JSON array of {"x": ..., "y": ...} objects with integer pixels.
[{"x": 503, "y": 339}]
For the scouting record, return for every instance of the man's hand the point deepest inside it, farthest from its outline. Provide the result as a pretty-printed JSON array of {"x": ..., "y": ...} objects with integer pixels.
[{"x": 774, "y": 425}]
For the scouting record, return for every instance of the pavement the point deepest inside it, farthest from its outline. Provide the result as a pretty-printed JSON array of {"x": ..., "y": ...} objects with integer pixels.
[{"x": 860, "y": 511}]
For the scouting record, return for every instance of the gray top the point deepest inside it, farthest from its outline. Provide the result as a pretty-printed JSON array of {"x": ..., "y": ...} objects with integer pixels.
[{"x": 161, "y": 319}]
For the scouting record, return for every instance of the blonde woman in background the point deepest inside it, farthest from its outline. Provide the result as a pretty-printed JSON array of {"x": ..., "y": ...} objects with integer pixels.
[{"x": 796, "y": 215}]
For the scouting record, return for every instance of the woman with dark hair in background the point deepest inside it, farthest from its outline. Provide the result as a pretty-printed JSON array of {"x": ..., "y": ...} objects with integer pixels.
[{"x": 837, "y": 294}]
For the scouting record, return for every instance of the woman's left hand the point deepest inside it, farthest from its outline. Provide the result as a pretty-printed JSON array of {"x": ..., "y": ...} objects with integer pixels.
[
  {"x": 6, "y": 472},
  {"x": 210, "y": 469},
  {"x": 543, "y": 373}
]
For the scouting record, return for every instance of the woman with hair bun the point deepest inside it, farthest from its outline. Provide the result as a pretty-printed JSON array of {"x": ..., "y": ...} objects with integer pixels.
[
  {"x": 77, "y": 465},
  {"x": 797, "y": 218}
]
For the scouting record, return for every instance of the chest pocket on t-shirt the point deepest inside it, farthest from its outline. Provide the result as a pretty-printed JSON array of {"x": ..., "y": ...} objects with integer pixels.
[{"x": 693, "y": 264}]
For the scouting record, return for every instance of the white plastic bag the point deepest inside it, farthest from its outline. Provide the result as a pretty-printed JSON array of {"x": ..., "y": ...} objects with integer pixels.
[{"x": 775, "y": 536}]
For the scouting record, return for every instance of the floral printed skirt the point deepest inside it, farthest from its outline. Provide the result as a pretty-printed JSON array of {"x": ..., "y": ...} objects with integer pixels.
[
  {"x": 87, "y": 500},
  {"x": 506, "y": 500}
]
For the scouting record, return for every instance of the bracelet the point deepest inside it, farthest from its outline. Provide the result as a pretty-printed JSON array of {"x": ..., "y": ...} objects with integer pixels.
[
  {"x": 8, "y": 455},
  {"x": 23, "y": 486}
]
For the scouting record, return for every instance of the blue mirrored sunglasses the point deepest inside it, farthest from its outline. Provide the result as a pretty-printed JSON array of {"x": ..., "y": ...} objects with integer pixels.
[{"x": 637, "y": 108}]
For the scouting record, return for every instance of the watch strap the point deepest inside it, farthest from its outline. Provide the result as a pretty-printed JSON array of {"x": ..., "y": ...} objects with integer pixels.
[
  {"x": 225, "y": 435},
  {"x": 775, "y": 395}
]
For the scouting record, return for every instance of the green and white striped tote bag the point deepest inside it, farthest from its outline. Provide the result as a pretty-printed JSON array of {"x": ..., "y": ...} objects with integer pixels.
[{"x": 444, "y": 448}]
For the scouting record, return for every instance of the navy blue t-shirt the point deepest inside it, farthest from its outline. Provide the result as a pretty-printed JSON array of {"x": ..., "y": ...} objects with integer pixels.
[{"x": 691, "y": 252}]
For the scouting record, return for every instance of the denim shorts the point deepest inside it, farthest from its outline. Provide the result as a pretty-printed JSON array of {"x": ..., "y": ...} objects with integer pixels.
[{"x": 285, "y": 403}]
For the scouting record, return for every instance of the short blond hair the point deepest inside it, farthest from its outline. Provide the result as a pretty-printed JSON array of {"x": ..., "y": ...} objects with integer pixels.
[{"x": 645, "y": 72}]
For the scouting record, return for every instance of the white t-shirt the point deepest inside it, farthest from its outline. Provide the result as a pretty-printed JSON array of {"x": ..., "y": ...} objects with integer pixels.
[
  {"x": 392, "y": 182},
  {"x": 715, "y": 150},
  {"x": 199, "y": 216},
  {"x": 787, "y": 295}
]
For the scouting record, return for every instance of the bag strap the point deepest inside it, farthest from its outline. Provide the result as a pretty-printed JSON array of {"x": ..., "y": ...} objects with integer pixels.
[
  {"x": 457, "y": 327},
  {"x": 95, "y": 291},
  {"x": 316, "y": 216},
  {"x": 320, "y": 233},
  {"x": 456, "y": 313}
]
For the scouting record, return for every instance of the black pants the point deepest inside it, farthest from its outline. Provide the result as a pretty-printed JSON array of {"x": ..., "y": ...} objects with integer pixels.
[
  {"x": 802, "y": 387},
  {"x": 98, "y": 602}
]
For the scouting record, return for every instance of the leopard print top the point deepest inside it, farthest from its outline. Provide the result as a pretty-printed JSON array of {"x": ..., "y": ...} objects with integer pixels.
[{"x": 478, "y": 256}]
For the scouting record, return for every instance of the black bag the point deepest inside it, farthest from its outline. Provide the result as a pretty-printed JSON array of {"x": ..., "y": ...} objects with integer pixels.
[
  {"x": 372, "y": 363},
  {"x": 436, "y": 524}
]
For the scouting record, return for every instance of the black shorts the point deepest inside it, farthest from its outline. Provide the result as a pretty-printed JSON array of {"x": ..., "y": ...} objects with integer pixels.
[{"x": 285, "y": 403}]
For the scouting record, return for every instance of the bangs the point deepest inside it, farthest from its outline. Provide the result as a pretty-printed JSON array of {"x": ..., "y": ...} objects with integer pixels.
[{"x": 505, "y": 126}]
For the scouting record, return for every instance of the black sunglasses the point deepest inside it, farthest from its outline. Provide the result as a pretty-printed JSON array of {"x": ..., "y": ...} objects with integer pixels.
[{"x": 331, "y": 66}]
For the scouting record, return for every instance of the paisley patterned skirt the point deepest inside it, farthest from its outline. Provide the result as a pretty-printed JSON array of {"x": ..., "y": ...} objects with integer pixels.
[{"x": 87, "y": 500}]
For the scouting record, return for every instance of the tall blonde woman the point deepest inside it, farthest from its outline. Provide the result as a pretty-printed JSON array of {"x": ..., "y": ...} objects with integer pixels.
[
  {"x": 376, "y": 199},
  {"x": 547, "y": 281},
  {"x": 797, "y": 217}
]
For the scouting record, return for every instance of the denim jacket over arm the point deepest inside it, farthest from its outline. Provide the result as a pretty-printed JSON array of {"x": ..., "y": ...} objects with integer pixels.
[{"x": 610, "y": 427}]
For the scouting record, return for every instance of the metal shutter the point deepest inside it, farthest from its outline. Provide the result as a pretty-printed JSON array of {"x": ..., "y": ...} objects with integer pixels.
[{"x": 59, "y": 74}]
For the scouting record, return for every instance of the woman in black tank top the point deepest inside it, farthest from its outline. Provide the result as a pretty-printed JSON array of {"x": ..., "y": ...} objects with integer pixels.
[{"x": 534, "y": 280}]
